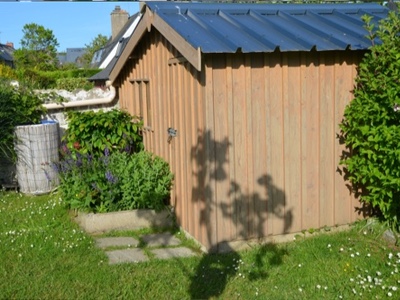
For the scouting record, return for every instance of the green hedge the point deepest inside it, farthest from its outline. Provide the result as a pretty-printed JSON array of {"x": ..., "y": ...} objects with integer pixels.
[{"x": 60, "y": 79}]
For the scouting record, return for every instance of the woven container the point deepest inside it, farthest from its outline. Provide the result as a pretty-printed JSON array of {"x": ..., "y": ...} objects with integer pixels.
[{"x": 37, "y": 148}]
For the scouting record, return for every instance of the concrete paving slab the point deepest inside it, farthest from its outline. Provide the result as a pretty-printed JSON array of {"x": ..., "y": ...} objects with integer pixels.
[
  {"x": 166, "y": 253},
  {"x": 124, "y": 220},
  {"x": 126, "y": 256},
  {"x": 116, "y": 242},
  {"x": 161, "y": 239}
]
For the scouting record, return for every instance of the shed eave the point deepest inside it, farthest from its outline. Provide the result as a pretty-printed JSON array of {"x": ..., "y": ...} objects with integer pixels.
[
  {"x": 192, "y": 54},
  {"x": 149, "y": 20}
]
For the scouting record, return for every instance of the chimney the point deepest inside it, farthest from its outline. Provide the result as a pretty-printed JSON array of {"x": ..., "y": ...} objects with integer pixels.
[
  {"x": 119, "y": 17},
  {"x": 10, "y": 44}
]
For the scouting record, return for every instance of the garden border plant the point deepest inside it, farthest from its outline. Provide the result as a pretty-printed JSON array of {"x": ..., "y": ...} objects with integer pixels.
[
  {"x": 115, "y": 181},
  {"x": 103, "y": 166},
  {"x": 370, "y": 127}
]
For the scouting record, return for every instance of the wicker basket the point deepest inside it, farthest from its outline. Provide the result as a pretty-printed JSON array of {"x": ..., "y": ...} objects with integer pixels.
[{"x": 37, "y": 148}]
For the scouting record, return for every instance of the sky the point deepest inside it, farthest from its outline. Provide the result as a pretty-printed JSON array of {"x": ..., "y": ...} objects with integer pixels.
[{"x": 74, "y": 24}]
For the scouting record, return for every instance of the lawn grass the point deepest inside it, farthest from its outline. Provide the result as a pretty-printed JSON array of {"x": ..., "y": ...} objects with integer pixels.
[{"x": 44, "y": 255}]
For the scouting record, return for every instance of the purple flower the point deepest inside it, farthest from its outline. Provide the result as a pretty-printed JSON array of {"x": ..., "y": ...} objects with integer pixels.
[
  {"x": 110, "y": 177},
  {"x": 78, "y": 159},
  {"x": 107, "y": 152}
]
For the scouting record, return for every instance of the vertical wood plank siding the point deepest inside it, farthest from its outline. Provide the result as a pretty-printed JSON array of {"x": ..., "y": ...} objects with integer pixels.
[
  {"x": 278, "y": 115},
  {"x": 256, "y": 152}
]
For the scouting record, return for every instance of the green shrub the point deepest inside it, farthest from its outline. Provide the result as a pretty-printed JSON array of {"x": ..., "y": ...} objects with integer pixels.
[
  {"x": 370, "y": 128},
  {"x": 7, "y": 72},
  {"x": 18, "y": 106},
  {"x": 93, "y": 132},
  {"x": 69, "y": 79},
  {"x": 71, "y": 84},
  {"x": 146, "y": 182},
  {"x": 35, "y": 79},
  {"x": 114, "y": 181}
]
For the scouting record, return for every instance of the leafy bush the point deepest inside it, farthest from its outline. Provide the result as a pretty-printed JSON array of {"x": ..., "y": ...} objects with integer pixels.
[
  {"x": 18, "y": 106},
  {"x": 71, "y": 84},
  {"x": 69, "y": 79},
  {"x": 93, "y": 132},
  {"x": 7, "y": 72},
  {"x": 114, "y": 181},
  {"x": 370, "y": 128},
  {"x": 71, "y": 73},
  {"x": 35, "y": 79},
  {"x": 146, "y": 181}
]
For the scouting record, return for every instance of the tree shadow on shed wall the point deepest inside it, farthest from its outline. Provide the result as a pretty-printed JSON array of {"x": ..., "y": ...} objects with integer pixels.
[{"x": 248, "y": 211}]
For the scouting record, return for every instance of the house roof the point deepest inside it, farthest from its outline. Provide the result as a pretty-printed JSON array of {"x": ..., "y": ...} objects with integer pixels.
[
  {"x": 72, "y": 55},
  {"x": 6, "y": 53},
  {"x": 196, "y": 28},
  {"x": 106, "y": 57}
]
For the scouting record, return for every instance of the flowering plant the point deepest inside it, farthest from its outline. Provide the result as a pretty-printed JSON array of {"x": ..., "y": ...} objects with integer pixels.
[{"x": 114, "y": 181}]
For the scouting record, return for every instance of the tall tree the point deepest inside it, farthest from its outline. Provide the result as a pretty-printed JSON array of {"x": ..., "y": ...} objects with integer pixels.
[
  {"x": 95, "y": 45},
  {"x": 38, "y": 48}
]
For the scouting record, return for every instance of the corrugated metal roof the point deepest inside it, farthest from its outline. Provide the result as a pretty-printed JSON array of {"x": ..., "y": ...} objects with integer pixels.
[{"x": 229, "y": 28}]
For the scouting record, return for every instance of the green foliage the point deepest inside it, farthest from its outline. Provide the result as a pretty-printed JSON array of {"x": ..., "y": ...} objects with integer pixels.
[
  {"x": 69, "y": 79},
  {"x": 114, "y": 181},
  {"x": 146, "y": 180},
  {"x": 7, "y": 72},
  {"x": 72, "y": 73},
  {"x": 38, "y": 49},
  {"x": 96, "y": 44},
  {"x": 93, "y": 132},
  {"x": 370, "y": 128},
  {"x": 71, "y": 84},
  {"x": 18, "y": 106},
  {"x": 35, "y": 79}
]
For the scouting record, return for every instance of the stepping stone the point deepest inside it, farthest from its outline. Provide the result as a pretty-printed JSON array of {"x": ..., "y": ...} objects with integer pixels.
[
  {"x": 165, "y": 253},
  {"x": 126, "y": 256},
  {"x": 161, "y": 239},
  {"x": 117, "y": 242}
]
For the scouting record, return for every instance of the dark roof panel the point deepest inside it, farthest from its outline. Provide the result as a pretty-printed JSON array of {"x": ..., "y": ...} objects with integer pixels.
[
  {"x": 228, "y": 27},
  {"x": 6, "y": 53}
]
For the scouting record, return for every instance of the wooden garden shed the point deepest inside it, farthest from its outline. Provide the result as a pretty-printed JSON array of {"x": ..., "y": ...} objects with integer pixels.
[{"x": 244, "y": 101}]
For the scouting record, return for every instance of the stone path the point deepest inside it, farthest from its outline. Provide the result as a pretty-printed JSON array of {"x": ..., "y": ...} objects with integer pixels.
[{"x": 126, "y": 250}]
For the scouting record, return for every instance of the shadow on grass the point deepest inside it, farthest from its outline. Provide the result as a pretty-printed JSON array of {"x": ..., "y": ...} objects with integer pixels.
[
  {"x": 215, "y": 271},
  {"x": 243, "y": 213}
]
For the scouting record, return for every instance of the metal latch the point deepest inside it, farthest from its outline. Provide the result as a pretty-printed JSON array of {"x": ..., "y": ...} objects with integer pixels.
[{"x": 171, "y": 133}]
